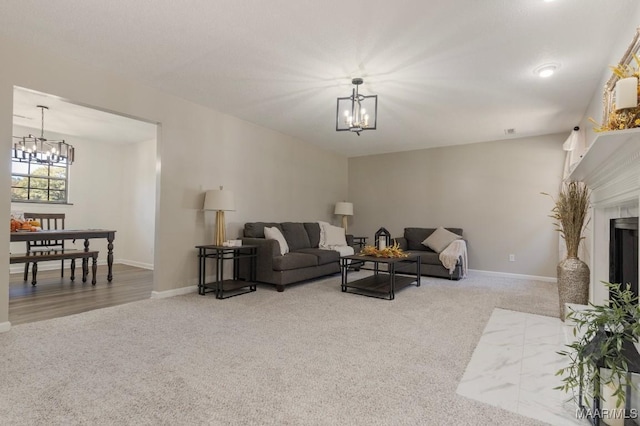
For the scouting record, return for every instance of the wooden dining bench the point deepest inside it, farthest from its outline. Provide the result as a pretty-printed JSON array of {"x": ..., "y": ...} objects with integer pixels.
[{"x": 35, "y": 257}]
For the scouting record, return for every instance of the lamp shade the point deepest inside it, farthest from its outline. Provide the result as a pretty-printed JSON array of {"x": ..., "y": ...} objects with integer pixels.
[
  {"x": 219, "y": 199},
  {"x": 344, "y": 208}
]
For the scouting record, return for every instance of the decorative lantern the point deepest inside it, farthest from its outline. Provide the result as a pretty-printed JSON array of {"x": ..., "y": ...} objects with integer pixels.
[
  {"x": 382, "y": 239},
  {"x": 603, "y": 409}
]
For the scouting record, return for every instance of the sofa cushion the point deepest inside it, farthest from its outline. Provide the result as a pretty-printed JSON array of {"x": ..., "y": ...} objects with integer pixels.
[
  {"x": 313, "y": 231},
  {"x": 429, "y": 257},
  {"x": 440, "y": 239},
  {"x": 296, "y": 235},
  {"x": 294, "y": 261},
  {"x": 273, "y": 233},
  {"x": 415, "y": 236},
  {"x": 256, "y": 229},
  {"x": 324, "y": 256}
]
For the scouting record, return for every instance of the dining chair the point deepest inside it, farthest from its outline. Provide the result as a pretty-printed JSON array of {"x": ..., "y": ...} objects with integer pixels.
[{"x": 48, "y": 221}]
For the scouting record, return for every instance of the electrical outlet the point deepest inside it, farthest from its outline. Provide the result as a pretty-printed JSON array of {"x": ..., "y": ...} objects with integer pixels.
[{"x": 512, "y": 258}]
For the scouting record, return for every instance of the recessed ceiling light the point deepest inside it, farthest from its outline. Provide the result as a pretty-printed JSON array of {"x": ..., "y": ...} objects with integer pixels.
[
  {"x": 548, "y": 1},
  {"x": 546, "y": 70}
]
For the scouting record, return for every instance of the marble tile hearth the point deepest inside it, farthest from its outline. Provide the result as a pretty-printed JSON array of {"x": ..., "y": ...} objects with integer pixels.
[{"x": 514, "y": 365}]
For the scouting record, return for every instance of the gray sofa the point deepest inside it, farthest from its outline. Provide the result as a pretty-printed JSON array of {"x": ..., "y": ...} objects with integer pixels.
[
  {"x": 303, "y": 262},
  {"x": 429, "y": 262}
]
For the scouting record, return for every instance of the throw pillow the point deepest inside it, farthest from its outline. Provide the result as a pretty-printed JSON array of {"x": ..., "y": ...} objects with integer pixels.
[
  {"x": 323, "y": 227},
  {"x": 440, "y": 239},
  {"x": 275, "y": 234},
  {"x": 334, "y": 236}
]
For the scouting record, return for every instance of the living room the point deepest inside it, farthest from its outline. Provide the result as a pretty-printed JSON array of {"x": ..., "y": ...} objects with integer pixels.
[{"x": 491, "y": 189}]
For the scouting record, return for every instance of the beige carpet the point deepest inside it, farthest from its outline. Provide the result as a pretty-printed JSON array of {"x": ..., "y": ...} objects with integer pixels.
[{"x": 309, "y": 356}]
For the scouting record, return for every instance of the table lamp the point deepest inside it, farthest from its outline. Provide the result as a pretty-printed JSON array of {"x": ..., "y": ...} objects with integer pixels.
[
  {"x": 345, "y": 209},
  {"x": 220, "y": 201}
]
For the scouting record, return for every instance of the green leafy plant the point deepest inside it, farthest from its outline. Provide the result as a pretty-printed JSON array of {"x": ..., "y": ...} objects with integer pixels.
[{"x": 604, "y": 331}]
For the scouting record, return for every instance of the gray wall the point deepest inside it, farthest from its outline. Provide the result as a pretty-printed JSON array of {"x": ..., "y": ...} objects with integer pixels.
[
  {"x": 491, "y": 190},
  {"x": 273, "y": 176}
]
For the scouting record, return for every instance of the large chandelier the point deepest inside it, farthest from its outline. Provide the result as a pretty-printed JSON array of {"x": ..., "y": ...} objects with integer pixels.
[
  {"x": 41, "y": 150},
  {"x": 357, "y": 112}
]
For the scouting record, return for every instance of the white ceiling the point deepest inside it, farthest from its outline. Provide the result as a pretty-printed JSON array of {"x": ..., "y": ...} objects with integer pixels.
[
  {"x": 445, "y": 71},
  {"x": 69, "y": 119}
]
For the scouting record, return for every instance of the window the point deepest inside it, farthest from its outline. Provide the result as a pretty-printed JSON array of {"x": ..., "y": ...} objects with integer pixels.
[{"x": 39, "y": 181}]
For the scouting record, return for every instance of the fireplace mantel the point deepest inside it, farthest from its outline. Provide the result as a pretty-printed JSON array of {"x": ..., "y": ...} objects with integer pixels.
[
  {"x": 611, "y": 170},
  {"x": 611, "y": 167}
]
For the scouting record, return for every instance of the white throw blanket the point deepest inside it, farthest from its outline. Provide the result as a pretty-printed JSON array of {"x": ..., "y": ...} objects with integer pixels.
[
  {"x": 343, "y": 249},
  {"x": 454, "y": 251}
]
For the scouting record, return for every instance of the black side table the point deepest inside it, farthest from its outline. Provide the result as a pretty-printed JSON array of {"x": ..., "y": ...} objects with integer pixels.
[
  {"x": 360, "y": 242},
  {"x": 220, "y": 285}
]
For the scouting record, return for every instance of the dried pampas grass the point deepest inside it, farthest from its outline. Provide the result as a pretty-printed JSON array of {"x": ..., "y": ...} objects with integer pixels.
[{"x": 570, "y": 212}]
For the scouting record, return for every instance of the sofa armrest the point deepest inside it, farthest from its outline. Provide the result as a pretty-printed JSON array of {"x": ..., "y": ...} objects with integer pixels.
[
  {"x": 270, "y": 248},
  {"x": 267, "y": 250}
]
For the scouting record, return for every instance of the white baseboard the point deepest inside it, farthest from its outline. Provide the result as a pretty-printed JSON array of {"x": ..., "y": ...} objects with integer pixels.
[
  {"x": 5, "y": 326},
  {"x": 136, "y": 264},
  {"x": 509, "y": 275},
  {"x": 175, "y": 292}
]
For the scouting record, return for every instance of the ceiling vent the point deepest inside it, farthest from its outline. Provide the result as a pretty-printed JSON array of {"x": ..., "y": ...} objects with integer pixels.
[{"x": 509, "y": 131}]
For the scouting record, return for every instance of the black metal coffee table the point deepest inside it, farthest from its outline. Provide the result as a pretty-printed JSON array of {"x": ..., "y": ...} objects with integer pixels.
[{"x": 384, "y": 283}]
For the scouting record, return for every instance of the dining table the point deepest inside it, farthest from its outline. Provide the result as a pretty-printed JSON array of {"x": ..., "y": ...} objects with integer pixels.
[{"x": 71, "y": 234}]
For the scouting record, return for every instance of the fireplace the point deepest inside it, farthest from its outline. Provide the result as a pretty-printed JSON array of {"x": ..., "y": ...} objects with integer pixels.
[
  {"x": 623, "y": 252},
  {"x": 611, "y": 169}
]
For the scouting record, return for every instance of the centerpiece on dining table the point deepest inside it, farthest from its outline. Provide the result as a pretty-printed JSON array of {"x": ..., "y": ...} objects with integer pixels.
[
  {"x": 390, "y": 251},
  {"x": 24, "y": 225}
]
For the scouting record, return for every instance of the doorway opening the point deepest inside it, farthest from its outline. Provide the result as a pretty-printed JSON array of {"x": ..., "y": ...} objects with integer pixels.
[{"x": 111, "y": 185}]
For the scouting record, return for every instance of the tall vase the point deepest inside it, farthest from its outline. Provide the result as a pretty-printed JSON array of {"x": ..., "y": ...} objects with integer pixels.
[{"x": 573, "y": 283}]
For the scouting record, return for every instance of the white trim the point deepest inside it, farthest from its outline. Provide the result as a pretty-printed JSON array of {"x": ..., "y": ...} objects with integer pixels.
[
  {"x": 174, "y": 292},
  {"x": 5, "y": 326},
  {"x": 516, "y": 276},
  {"x": 136, "y": 264}
]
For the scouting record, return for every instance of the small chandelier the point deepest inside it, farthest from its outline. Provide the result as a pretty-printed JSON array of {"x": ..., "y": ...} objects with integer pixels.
[
  {"x": 41, "y": 150},
  {"x": 357, "y": 112}
]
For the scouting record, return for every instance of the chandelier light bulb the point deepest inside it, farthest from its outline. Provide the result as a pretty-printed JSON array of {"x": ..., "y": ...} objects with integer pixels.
[{"x": 358, "y": 118}]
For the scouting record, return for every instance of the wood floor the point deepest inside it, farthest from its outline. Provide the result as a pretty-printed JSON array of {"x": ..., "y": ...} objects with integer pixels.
[{"x": 56, "y": 297}]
